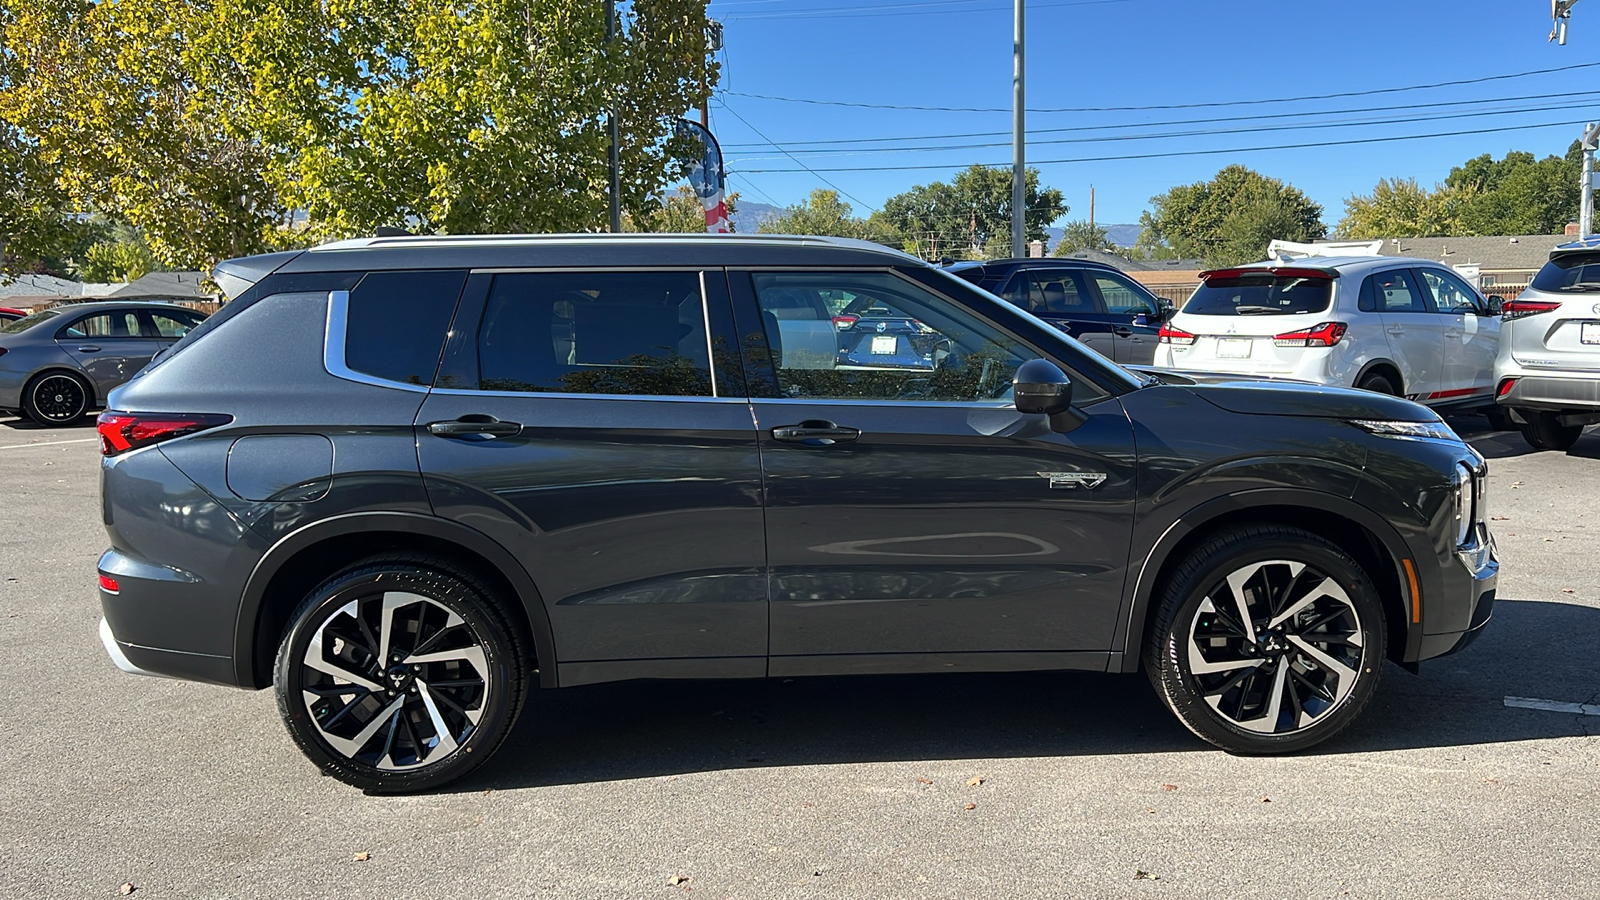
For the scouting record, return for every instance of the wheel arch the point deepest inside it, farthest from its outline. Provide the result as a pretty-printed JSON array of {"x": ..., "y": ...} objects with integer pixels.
[
  {"x": 56, "y": 368},
  {"x": 1385, "y": 367},
  {"x": 303, "y": 559},
  {"x": 1357, "y": 531}
]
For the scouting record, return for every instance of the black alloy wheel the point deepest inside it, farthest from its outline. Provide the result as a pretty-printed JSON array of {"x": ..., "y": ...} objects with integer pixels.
[
  {"x": 400, "y": 674},
  {"x": 1269, "y": 640},
  {"x": 56, "y": 398}
]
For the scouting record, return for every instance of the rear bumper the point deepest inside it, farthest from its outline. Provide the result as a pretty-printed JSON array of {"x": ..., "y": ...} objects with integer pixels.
[
  {"x": 1553, "y": 392},
  {"x": 155, "y": 607}
]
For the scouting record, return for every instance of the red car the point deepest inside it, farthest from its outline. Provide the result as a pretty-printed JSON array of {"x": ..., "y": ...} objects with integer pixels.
[{"x": 7, "y": 314}]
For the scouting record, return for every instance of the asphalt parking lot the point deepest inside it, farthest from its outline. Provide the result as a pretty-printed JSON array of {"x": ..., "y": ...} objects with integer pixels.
[{"x": 833, "y": 787}]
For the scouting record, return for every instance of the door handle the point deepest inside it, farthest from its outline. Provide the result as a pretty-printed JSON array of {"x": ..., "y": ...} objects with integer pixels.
[
  {"x": 1124, "y": 331},
  {"x": 1452, "y": 333},
  {"x": 815, "y": 433},
  {"x": 488, "y": 426},
  {"x": 1396, "y": 329},
  {"x": 88, "y": 348}
]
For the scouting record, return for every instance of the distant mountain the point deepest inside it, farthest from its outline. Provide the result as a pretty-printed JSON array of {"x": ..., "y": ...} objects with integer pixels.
[
  {"x": 1121, "y": 235},
  {"x": 751, "y": 214}
]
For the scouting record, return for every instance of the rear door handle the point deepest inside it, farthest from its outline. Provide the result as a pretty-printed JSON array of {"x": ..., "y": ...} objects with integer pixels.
[
  {"x": 815, "y": 433},
  {"x": 88, "y": 348},
  {"x": 1396, "y": 329},
  {"x": 488, "y": 426},
  {"x": 1124, "y": 331}
]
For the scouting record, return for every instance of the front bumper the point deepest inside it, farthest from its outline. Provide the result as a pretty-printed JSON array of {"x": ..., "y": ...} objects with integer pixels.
[{"x": 1456, "y": 616}]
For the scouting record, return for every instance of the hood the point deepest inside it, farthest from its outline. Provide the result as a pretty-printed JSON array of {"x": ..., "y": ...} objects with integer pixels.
[{"x": 1256, "y": 397}]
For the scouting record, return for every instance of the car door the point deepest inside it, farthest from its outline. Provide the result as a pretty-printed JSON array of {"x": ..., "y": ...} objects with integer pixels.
[
  {"x": 1134, "y": 313},
  {"x": 592, "y": 423},
  {"x": 1471, "y": 335},
  {"x": 1064, "y": 298},
  {"x": 1415, "y": 334},
  {"x": 109, "y": 345},
  {"x": 915, "y": 520}
]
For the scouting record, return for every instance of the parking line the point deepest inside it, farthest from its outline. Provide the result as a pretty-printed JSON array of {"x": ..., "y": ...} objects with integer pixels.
[
  {"x": 1581, "y": 709},
  {"x": 49, "y": 443}
]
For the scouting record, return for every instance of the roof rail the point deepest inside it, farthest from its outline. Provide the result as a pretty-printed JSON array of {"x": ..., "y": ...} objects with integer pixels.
[{"x": 1287, "y": 251}]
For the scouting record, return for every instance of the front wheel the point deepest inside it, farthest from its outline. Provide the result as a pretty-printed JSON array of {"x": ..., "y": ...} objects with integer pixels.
[
  {"x": 1268, "y": 639},
  {"x": 400, "y": 674},
  {"x": 1543, "y": 431}
]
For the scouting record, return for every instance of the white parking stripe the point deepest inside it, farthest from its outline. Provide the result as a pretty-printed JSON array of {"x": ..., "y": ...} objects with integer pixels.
[
  {"x": 49, "y": 443},
  {"x": 1581, "y": 709}
]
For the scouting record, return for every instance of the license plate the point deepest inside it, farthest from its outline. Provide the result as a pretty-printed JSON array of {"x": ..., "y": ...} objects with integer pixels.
[
  {"x": 1234, "y": 348},
  {"x": 885, "y": 344},
  {"x": 1589, "y": 333}
]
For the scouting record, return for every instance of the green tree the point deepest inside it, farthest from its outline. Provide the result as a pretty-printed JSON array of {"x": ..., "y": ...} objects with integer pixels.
[
  {"x": 124, "y": 255},
  {"x": 1402, "y": 208},
  {"x": 1519, "y": 194},
  {"x": 1081, "y": 234},
  {"x": 824, "y": 213},
  {"x": 970, "y": 216},
  {"x": 1230, "y": 219},
  {"x": 679, "y": 212}
]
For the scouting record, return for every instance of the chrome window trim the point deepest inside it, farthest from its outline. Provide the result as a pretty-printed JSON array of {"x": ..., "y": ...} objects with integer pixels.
[
  {"x": 705, "y": 329},
  {"x": 554, "y": 395},
  {"x": 333, "y": 348},
  {"x": 910, "y": 404},
  {"x": 557, "y": 270}
]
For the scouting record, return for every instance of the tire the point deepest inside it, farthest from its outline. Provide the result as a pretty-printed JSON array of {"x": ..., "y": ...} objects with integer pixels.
[
  {"x": 1324, "y": 660},
  {"x": 1544, "y": 432},
  {"x": 1499, "y": 419},
  {"x": 56, "y": 398},
  {"x": 1379, "y": 384},
  {"x": 402, "y": 724}
]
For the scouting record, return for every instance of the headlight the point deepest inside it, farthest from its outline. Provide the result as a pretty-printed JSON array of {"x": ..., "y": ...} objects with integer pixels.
[
  {"x": 1438, "y": 431},
  {"x": 1466, "y": 503}
]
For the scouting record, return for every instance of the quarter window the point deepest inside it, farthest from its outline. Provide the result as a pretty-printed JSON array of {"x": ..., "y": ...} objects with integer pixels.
[
  {"x": 1061, "y": 293},
  {"x": 170, "y": 326},
  {"x": 637, "y": 333},
  {"x": 889, "y": 340},
  {"x": 397, "y": 321}
]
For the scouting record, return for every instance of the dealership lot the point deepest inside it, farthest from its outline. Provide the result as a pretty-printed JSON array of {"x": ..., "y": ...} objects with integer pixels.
[{"x": 828, "y": 787}]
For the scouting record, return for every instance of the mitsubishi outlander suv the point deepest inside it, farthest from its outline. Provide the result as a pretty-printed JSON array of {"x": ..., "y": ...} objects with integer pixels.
[
  {"x": 404, "y": 481},
  {"x": 1548, "y": 370}
]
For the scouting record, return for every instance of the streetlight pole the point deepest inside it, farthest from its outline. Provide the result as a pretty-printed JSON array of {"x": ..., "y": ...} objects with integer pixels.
[
  {"x": 1590, "y": 140},
  {"x": 1019, "y": 231},
  {"x": 613, "y": 163}
]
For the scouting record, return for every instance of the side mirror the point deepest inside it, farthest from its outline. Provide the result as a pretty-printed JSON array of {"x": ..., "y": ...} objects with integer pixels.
[
  {"x": 1496, "y": 304},
  {"x": 1040, "y": 387}
]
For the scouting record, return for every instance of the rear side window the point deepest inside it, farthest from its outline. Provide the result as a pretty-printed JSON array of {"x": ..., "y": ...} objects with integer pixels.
[
  {"x": 1575, "y": 272},
  {"x": 639, "y": 333},
  {"x": 397, "y": 323},
  {"x": 1265, "y": 294},
  {"x": 113, "y": 324}
]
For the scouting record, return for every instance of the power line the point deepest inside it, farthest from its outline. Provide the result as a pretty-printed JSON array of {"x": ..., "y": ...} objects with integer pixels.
[
  {"x": 897, "y": 9},
  {"x": 1207, "y": 121},
  {"x": 796, "y": 159},
  {"x": 1174, "y": 153},
  {"x": 1214, "y": 104}
]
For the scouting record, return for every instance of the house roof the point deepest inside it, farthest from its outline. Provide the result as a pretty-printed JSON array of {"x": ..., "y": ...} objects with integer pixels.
[
  {"x": 39, "y": 286},
  {"x": 1526, "y": 252},
  {"x": 1137, "y": 265},
  {"x": 166, "y": 284}
]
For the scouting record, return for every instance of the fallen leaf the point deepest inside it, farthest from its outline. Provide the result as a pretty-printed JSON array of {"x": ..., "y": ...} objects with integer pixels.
[
  {"x": 1568, "y": 591},
  {"x": 677, "y": 880},
  {"x": 970, "y": 806},
  {"x": 363, "y": 856},
  {"x": 974, "y": 781},
  {"x": 1169, "y": 787},
  {"x": 1265, "y": 799},
  {"x": 1549, "y": 540},
  {"x": 1150, "y": 809},
  {"x": 1491, "y": 781},
  {"x": 1516, "y": 484},
  {"x": 1142, "y": 875},
  {"x": 924, "y": 781},
  {"x": 126, "y": 889},
  {"x": 1499, "y": 518}
]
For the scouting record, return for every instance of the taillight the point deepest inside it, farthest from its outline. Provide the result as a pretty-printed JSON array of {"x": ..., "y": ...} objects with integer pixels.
[
  {"x": 123, "y": 431},
  {"x": 1170, "y": 335},
  {"x": 1325, "y": 335},
  {"x": 1516, "y": 309},
  {"x": 844, "y": 323},
  {"x": 1505, "y": 387}
]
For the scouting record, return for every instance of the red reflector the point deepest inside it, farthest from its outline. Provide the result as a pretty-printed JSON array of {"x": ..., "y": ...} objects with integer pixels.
[
  {"x": 843, "y": 323},
  {"x": 1516, "y": 309},
  {"x": 1170, "y": 335},
  {"x": 1325, "y": 335},
  {"x": 1505, "y": 387},
  {"x": 108, "y": 584},
  {"x": 121, "y": 431}
]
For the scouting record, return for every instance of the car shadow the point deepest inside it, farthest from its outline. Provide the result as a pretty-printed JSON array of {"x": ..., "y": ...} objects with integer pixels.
[
  {"x": 1506, "y": 444},
  {"x": 646, "y": 729},
  {"x": 20, "y": 424}
]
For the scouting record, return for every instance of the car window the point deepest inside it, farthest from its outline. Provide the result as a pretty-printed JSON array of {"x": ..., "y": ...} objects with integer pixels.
[
  {"x": 1395, "y": 292},
  {"x": 170, "y": 326},
  {"x": 1122, "y": 297},
  {"x": 1259, "y": 292},
  {"x": 111, "y": 324},
  {"x": 895, "y": 341},
  {"x": 1450, "y": 294},
  {"x": 1578, "y": 272},
  {"x": 396, "y": 323},
  {"x": 1060, "y": 292},
  {"x": 26, "y": 322},
  {"x": 640, "y": 333}
]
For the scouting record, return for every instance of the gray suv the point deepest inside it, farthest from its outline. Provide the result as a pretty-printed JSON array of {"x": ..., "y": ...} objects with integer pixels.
[{"x": 403, "y": 481}]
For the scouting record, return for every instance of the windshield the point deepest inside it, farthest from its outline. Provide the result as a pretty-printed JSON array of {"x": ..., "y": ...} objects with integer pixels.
[
  {"x": 1260, "y": 295},
  {"x": 1572, "y": 272},
  {"x": 26, "y": 322}
]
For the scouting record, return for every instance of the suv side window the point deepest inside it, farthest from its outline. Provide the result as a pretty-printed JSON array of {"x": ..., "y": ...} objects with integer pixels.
[
  {"x": 635, "y": 333},
  {"x": 396, "y": 323},
  {"x": 1122, "y": 297},
  {"x": 1450, "y": 293},
  {"x": 905, "y": 343},
  {"x": 1059, "y": 292},
  {"x": 1394, "y": 291}
]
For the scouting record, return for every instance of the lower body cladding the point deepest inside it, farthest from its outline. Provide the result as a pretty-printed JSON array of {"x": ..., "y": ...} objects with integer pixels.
[{"x": 1576, "y": 399}]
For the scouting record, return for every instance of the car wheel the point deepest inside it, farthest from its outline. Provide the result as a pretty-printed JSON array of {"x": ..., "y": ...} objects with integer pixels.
[
  {"x": 1544, "y": 432},
  {"x": 1379, "y": 384},
  {"x": 400, "y": 674},
  {"x": 1499, "y": 419},
  {"x": 56, "y": 398},
  {"x": 1268, "y": 639}
]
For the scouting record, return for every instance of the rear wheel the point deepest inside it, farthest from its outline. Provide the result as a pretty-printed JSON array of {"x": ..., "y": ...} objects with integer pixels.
[
  {"x": 1543, "y": 431},
  {"x": 1268, "y": 639},
  {"x": 1379, "y": 384},
  {"x": 56, "y": 398},
  {"x": 1499, "y": 418},
  {"x": 400, "y": 674}
]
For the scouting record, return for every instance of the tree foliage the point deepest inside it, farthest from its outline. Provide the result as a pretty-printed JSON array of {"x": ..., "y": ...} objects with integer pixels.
[
  {"x": 1081, "y": 234},
  {"x": 1230, "y": 219},
  {"x": 679, "y": 212},
  {"x": 1519, "y": 194},
  {"x": 1401, "y": 208},
  {"x": 970, "y": 216},
  {"x": 824, "y": 213}
]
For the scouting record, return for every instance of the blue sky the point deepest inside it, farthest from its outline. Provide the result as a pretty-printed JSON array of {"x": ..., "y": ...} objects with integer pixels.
[{"x": 1131, "y": 53}]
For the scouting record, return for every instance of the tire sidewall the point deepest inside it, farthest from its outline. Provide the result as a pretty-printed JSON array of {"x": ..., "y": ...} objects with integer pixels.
[
  {"x": 1379, "y": 384},
  {"x": 1184, "y": 694},
  {"x": 499, "y": 706}
]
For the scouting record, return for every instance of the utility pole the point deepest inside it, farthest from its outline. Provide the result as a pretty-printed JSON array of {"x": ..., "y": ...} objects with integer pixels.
[
  {"x": 1590, "y": 140},
  {"x": 1019, "y": 194},
  {"x": 613, "y": 162}
]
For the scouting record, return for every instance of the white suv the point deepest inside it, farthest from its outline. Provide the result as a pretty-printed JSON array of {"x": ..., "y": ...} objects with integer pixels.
[
  {"x": 1548, "y": 370},
  {"x": 1408, "y": 327}
]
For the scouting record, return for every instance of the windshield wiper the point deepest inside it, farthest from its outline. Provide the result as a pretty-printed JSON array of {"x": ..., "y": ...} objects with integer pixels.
[
  {"x": 1254, "y": 310},
  {"x": 1581, "y": 286}
]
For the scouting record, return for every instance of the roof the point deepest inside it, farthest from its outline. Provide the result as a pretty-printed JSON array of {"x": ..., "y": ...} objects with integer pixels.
[
  {"x": 1344, "y": 265},
  {"x": 1493, "y": 252},
  {"x": 39, "y": 286},
  {"x": 166, "y": 284}
]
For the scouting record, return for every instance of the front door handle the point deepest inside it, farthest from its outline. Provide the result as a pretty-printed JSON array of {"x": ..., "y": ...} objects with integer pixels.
[
  {"x": 815, "y": 433},
  {"x": 88, "y": 348},
  {"x": 487, "y": 426},
  {"x": 1396, "y": 329},
  {"x": 1124, "y": 331}
]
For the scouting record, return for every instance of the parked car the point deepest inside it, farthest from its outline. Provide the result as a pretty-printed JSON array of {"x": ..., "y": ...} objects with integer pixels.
[
  {"x": 403, "y": 481},
  {"x": 9, "y": 314},
  {"x": 60, "y": 362},
  {"x": 1095, "y": 302},
  {"x": 1406, "y": 327},
  {"x": 1548, "y": 368}
]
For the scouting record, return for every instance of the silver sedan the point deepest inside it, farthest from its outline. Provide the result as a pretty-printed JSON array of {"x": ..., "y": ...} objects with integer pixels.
[{"x": 58, "y": 363}]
